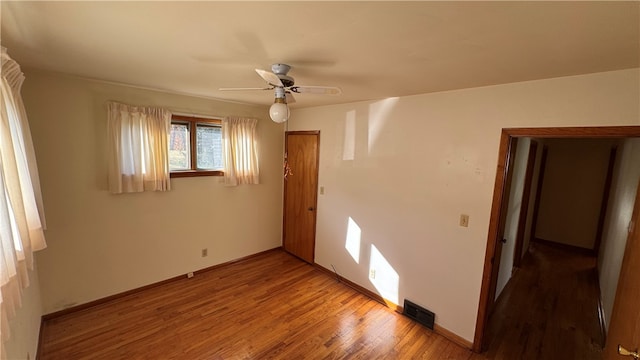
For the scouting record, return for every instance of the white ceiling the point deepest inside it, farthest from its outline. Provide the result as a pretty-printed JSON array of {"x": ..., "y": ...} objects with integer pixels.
[{"x": 372, "y": 50}]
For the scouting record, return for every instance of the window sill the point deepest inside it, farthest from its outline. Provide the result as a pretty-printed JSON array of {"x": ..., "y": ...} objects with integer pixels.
[{"x": 192, "y": 173}]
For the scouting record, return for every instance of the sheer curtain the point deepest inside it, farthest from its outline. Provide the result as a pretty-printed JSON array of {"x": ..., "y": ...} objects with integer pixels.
[
  {"x": 138, "y": 148},
  {"x": 240, "y": 147},
  {"x": 21, "y": 211}
]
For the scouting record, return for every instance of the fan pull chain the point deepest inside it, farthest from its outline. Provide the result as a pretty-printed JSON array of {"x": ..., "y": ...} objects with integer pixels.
[{"x": 287, "y": 168}]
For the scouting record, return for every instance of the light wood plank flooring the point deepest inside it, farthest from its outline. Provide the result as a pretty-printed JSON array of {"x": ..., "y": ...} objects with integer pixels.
[
  {"x": 272, "y": 306},
  {"x": 549, "y": 309}
]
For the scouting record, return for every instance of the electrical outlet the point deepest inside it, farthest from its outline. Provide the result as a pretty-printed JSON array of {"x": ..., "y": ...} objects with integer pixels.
[
  {"x": 464, "y": 220},
  {"x": 205, "y": 252},
  {"x": 189, "y": 275},
  {"x": 372, "y": 273}
]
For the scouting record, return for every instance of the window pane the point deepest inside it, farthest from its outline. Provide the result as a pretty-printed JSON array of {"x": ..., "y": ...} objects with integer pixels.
[
  {"x": 209, "y": 144},
  {"x": 179, "y": 147}
]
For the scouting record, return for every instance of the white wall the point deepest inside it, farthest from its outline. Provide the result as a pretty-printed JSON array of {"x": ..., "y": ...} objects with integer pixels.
[
  {"x": 404, "y": 169},
  {"x": 101, "y": 244},
  {"x": 620, "y": 210},
  {"x": 513, "y": 214},
  {"x": 571, "y": 196},
  {"x": 25, "y": 326}
]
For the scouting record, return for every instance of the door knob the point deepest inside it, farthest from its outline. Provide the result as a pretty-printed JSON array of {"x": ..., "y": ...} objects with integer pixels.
[{"x": 625, "y": 352}]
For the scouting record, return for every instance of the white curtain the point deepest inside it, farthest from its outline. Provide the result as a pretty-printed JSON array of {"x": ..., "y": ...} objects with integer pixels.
[
  {"x": 138, "y": 148},
  {"x": 21, "y": 211},
  {"x": 240, "y": 147}
]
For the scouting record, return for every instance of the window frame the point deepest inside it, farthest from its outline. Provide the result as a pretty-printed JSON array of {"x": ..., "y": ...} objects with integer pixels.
[{"x": 193, "y": 122}]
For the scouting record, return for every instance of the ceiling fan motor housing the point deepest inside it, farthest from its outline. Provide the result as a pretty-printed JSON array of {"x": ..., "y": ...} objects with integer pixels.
[
  {"x": 281, "y": 71},
  {"x": 280, "y": 93},
  {"x": 287, "y": 81}
]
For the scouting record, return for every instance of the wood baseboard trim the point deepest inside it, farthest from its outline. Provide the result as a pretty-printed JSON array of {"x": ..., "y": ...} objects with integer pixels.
[
  {"x": 449, "y": 335},
  {"x": 360, "y": 289},
  {"x": 100, "y": 301},
  {"x": 453, "y": 337},
  {"x": 572, "y": 248}
]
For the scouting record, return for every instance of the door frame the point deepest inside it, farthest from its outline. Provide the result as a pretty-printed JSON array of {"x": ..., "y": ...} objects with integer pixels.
[
  {"x": 536, "y": 203},
  {"x": 524, "y": 205},
  {"x": 284, "y": 188},
  {"x": 613, "y": 155},
  {"x": 601, "y": 132}
]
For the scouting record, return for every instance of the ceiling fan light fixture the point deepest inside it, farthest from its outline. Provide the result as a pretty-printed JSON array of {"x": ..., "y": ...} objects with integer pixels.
[
  {"x": 279, "y": 111},
  {"x": 283, "y": 86}
]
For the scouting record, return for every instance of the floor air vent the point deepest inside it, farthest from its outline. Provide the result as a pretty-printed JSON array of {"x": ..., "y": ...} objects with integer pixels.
[{"x": 419, "y": 314}]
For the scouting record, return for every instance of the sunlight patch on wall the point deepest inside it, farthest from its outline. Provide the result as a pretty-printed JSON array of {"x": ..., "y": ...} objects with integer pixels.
[
  {"x": 352, "y": 243},
  {"x": 383, "y": 276},
  {"x": 378, "y": 116},
  {"x": 349, "y": 149}
]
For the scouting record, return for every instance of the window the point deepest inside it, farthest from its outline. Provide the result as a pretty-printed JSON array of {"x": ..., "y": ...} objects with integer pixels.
[{"x": 195, "y": 147}]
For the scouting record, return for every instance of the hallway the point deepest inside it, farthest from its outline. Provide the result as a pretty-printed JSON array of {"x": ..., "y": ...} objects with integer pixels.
[{"x": 549, "y": 309}]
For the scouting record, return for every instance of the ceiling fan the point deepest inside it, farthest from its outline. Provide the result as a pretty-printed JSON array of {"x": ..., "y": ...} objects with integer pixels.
[{"x": 283, "y": 86}]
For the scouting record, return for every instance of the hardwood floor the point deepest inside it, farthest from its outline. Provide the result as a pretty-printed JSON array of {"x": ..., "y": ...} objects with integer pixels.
[
  {"x": 549, "y": 309},
  {"x": 273, "y": 306}
]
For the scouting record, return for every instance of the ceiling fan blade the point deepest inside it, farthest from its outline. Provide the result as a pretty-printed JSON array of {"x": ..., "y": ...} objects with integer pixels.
[
  {"x": 270, "y": 77},
  {"x": 243, "y": 89},
  {"x": 289, "y": 97},
  {"x": 322, "y": 90}
]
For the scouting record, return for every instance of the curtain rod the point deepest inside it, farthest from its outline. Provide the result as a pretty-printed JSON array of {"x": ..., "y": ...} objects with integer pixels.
[{"x": 196, "y": 115}]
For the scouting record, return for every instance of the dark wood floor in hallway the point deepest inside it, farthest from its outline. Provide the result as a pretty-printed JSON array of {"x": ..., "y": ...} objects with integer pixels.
[{"x": 549, "y": 309}]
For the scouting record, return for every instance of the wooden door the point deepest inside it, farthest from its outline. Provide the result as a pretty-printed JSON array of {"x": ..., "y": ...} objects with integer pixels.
[
  {"x": 300, "y": 193},
  {"x": 624, "y": 328}
]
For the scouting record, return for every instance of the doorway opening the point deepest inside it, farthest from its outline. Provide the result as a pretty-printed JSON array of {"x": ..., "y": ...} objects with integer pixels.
[{"x": 501, "y": 201}]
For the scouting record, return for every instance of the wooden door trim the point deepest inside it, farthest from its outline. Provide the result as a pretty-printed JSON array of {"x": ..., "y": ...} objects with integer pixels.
[
  {"x": 605, "y": 199},
  {"x": 524, "y": 204},
  {"x": 536, "y": 204},
  {"x": 302, "y": 132},
  {"x": 315, "y": 201},
  {"x": 576, "y": 132},
  {"x": 498, "y": 195}
]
